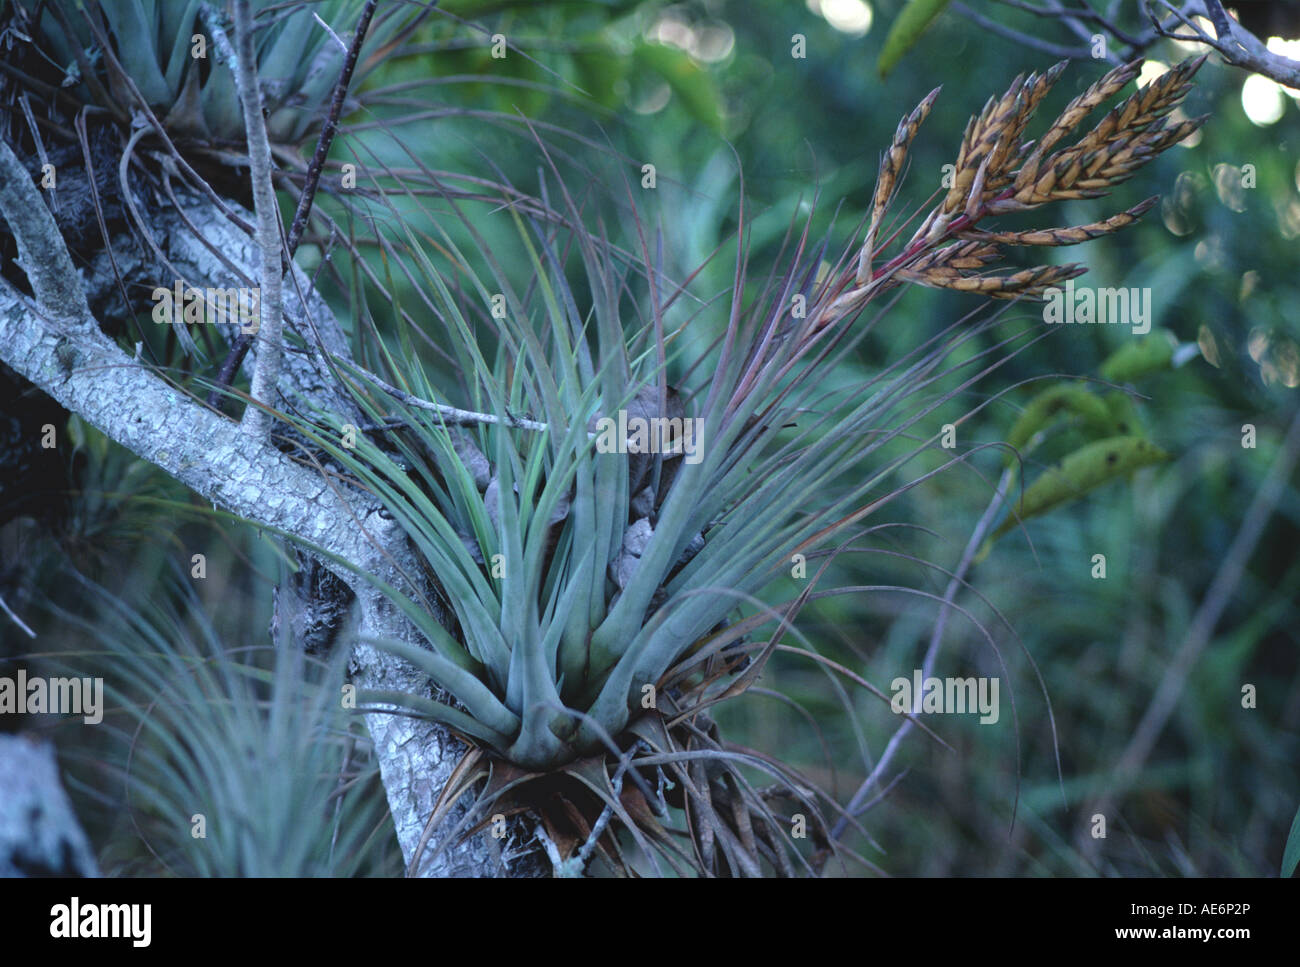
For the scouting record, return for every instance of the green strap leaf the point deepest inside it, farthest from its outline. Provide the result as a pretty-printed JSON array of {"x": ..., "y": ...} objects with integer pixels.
[
  {"x": 1146, "y": 354},
  {"x": 687, "y": 79},
  {"x": 1056, "y": 401},
  {"x": 912, "y": 21},
  {"x": 1124, "y": 413},
  {"x": 1082, "y": 471}
]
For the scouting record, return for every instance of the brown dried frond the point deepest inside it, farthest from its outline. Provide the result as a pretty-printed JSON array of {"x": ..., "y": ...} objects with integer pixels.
[
  {"x": 1151, "y": 103},
  {"x": 1028, "y": 283},
  {"x": 985, "y": 145},
  {"x": 1125, "y": 139},
  {"x": 963, "y": 255},
  {"x": 1009, "y": 148},
  {"x": 1051, "y": 237},
  {"x": 997, "y": 172},
  {"x": 891, "y": 169},
  {"x": 991, "y": 145},
  {"x": 1079, "y": 108}
]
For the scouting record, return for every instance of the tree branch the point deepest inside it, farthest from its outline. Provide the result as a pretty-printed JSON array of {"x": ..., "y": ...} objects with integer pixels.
[
  {"x": 41, "y": 251},
  {"x": 240, "y": 348},
  {"x": 39, "y": 832},
  {"x": 1238, "y": 46},
  {"x": 211, "y": 455},
  {"x": 266, "y": 375},
  {"x": 1016, "y": 36}
]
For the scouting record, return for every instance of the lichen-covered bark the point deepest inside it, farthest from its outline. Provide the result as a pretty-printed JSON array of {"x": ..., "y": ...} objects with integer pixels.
[{"x": 39, "y": 833}]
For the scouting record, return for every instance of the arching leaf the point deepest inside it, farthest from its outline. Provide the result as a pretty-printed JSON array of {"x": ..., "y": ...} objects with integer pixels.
[{"x": 911, "y": 22}]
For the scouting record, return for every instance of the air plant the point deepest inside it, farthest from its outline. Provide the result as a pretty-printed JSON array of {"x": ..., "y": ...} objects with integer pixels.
[
  {"x": 165, "y": 54},
  {"x": 600, "y": 602},
  {"x": 224, "y": 761}
]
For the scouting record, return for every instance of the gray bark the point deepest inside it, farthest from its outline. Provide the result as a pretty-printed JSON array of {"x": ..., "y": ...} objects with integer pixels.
[
  {"x": 39, "y": 833},
  {"x": 248, "y": 477}
]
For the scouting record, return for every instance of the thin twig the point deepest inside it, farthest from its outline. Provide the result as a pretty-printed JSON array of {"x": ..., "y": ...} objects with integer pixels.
[
  {"x": 25, "y": 104},
  {"x": 269, "y": 333},
  {"x": 858, "y": 803},
  {"x": 450, "y": 414},
  {"x": 239, "y": 349},
  {"x": 329, "y": 129},
  {"x": 598, "y": 830},
  {"x": 1076, "y": 15},
  {"x": 1015, "y": 36},
  {"x": 1238, "y": 46},
  {"x": 221, "y": 46},
  {"x": 1079, "y": 30},
  {"x": 16, "y": 620}
]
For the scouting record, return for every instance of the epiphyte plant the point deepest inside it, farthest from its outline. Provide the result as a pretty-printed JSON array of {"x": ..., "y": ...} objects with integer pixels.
[{"x": 597, "y": 597}]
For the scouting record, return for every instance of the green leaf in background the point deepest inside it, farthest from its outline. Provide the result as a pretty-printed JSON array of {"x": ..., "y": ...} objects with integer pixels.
[
  {"x": 688, "y": 81},
  {"x": 1086, "y": 469},
  {"x": 1146, "y": 354},
  {"x": 1291, "y": 855},
  {"x": 911, "y": 22},
  {"x": 1056, "y": 401},
  {"x": 1124, "y": 413},
  {"x": 600, "y": 71}
]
